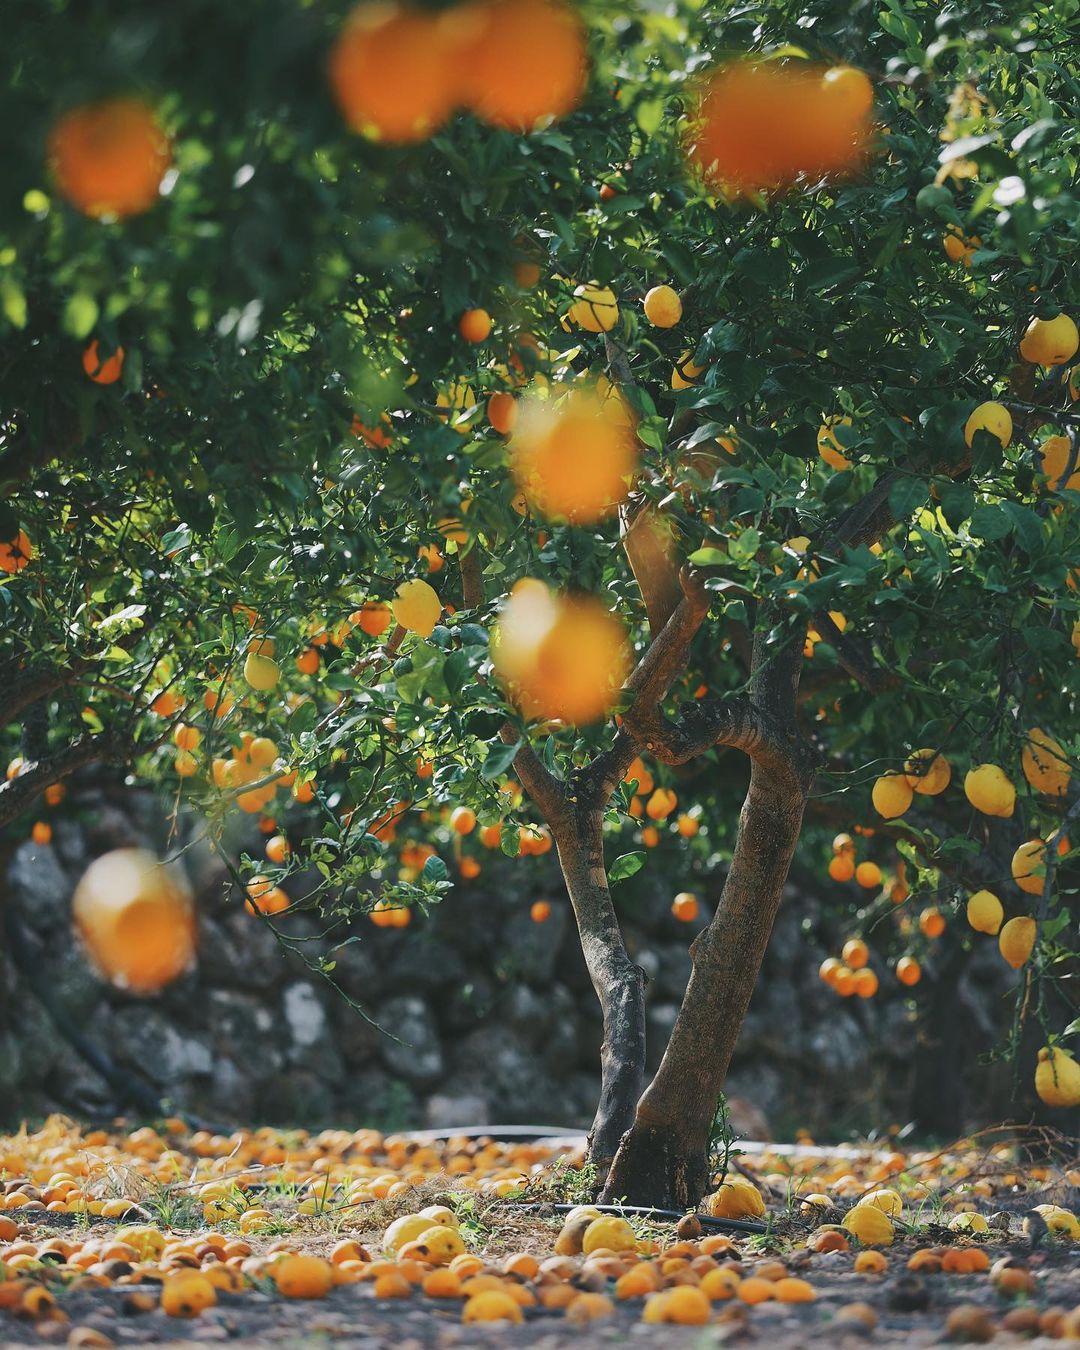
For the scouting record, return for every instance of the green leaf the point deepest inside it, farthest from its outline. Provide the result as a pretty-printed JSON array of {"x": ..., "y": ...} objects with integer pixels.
[
  {"x": 627, "y": 865},
  {"x": 434, "y": 869},
  {"x": 990, "y": 522},
  {"x": 708, "y": 557},
  {"x": 499, "y": 759},
  {"x": 906, "y": 496},
  {"x": 80, "y": 315}
]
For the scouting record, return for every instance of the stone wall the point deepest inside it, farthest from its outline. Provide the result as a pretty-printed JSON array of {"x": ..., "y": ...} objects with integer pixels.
[{"x": 486, "y": 1016}]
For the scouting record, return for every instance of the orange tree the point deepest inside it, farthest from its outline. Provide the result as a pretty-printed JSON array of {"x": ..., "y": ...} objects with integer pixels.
[{"x": 401, "y": 465}]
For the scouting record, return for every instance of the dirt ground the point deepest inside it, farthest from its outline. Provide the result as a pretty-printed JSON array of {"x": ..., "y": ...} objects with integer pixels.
[{"x": 350, "y": 1316}]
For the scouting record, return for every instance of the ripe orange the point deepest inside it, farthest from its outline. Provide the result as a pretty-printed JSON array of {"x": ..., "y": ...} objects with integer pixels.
[
  {"x": 856, "y": 953},
  {"x": 540, "y": 911},
  {"x": 526, "y": 274},
  {"x": 277, "y": 849},
  {"x": 374, "y": 618},
  {"x": 908, "y": 970},
  {"x": 136, "y": 919},
  {"x": 562, "y": 657},
  {"x": 502, "y": 413},
  {"x": 526, "y": 60},
  {"x": 266, "y": 899},
  {"x": 15, "y": 553},
  {"x": 475, "y": 325},
  {"x": 866, "y": 983},
  {"x": 307, "y": 663},
  {"x": 392, "y": 71},
  {"x": 463, "y": 819},
  {"x": 868, "y": 875},
  {"x": 491, "y": 836},
  {"x": 378, "y": 436},
  {"x": 108, "y": 158},
  {"x": 41, "y": 832},
  {"x": 469, "y": 868},
  {"x": 842, "y": 867},
  {"x": 685, "y": 907},
  {"x": 763, "y": 125},
  {"x": 103, "y": 372},
  {"x": 575, "y": 459},
  {"x": 932, "y": 922},
  {"x": 167, "y": 703}
]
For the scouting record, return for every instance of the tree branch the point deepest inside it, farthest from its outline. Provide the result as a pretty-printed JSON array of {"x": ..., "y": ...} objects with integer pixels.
[{"x": 18, "y": 793}]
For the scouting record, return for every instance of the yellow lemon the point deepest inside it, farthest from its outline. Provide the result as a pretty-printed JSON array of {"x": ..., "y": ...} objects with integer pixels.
[
  {"x": 1057, "y": 1078},
  {"x": 1050, "y": 342},
  {"x": 891, "y": 795},
  {"x": 663, "y": 308},
  {"x": 992, "y": 417},
  {"x": 928, "y": 772},
  {"x": 989, "y": 790},
  {"x": 985, "y": 912},
  {"x": 417, "y": 607},
  {"x": 1016, "y": 941}
]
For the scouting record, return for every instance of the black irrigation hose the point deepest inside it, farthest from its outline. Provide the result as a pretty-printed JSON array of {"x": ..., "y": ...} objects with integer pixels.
[{"x": 669, "y": 1215}]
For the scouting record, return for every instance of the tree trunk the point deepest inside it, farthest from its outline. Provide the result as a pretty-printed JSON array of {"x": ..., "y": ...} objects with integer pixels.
[
  {"x": 663, "y": 1160},
  {"x": 619, "y": 984}
]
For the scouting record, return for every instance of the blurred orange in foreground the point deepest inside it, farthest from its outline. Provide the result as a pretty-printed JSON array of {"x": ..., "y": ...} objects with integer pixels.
[
  {"x": 136, "y": 919},
  {"x": 525, "y": 61},
  {"x": 108, "y": 158},
  {"x": 392, "y": 71},
  {"x": 560, "y": 656},
  {"x": 398, "y": 71},
  {"x": 765, "y": 125},
  {"x": 574, "y": 457}
]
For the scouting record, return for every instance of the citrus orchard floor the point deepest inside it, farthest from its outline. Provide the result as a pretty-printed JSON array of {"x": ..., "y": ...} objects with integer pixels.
[{"x": 171, "y": 1237}]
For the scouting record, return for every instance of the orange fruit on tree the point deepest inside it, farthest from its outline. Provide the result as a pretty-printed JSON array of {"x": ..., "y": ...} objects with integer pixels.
[
  {"x": 307, "y": 663},
  {"x": 277, "y": 849},
  {"x": 463, "y": 819},
  {"x": 661, "y": 803},
  {"x": 932, "y": 922},
  {"x": 502, "y": 413},
  {"x": 101, "y": 371},
  {"x": 469, "y": 868},
  {"x": 108, "y": 158},
  {"x": 574, "y": 458},
  {"x": 540, "y": 911},
  {"x": 843, "y": 981},
  {"x": 491, "y": 835},
  {"x": 41, "y": 833},
  {"x": 560, "y": 656},
  {"x": 868, "y": 875},
  {"x": 378, "y": 436},
  {"x": 685, "y": 907},
  {"x": 855, "y": 953},
  {"x": 15, "y": 553},
  {"x": 524, "y": 60},
  {"x": 763, "y": 125},
  {"x": 866, "y": 983},
  {"x": 392, "y": 71},
  {"x": 374, "y": 617},
  {"x": 266, "y": 899},
  {"x": 829, "y": 969},
  {"x": 136, "y": 919},
  {"x": 908, "y": 970},
  {"x": 475, "y": 325},
  {"x": 842, "y": 867}
]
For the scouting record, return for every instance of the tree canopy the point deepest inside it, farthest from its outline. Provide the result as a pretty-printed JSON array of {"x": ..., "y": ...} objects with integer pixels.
[{"x": 241, "y": 413}]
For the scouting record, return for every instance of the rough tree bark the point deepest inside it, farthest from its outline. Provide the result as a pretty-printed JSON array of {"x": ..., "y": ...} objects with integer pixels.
[{"x": 663, "y": 1159}]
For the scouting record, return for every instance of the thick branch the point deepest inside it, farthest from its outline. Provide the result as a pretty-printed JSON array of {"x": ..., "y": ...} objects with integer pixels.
[{"x": 20, "y": 792}]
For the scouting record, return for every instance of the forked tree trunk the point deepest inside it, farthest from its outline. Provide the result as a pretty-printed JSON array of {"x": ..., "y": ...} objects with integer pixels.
[
  {"x": 663, "y": 1160},
  {"x": 619, "y": 984}
]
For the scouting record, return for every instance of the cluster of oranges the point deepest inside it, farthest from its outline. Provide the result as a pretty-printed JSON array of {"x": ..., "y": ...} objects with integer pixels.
[
  {"x": 764, "y": 125},
  {"x": 398, "y": 71}
]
